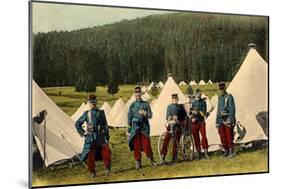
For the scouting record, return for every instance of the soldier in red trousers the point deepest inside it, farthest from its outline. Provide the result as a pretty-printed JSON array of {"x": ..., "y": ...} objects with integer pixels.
[
  {"x": 225, "y": 120},
  {"x": 198, "y": 125},
  {"x": 96, "y": 146}
]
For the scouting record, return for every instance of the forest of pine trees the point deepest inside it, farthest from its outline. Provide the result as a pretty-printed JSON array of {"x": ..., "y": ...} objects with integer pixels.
[{"x": 191, "y": 46}]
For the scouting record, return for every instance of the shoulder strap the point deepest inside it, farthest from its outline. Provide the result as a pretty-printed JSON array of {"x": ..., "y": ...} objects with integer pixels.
[
  {"x": 89, "y": 114},
  {"x": 226, "y": 101}
]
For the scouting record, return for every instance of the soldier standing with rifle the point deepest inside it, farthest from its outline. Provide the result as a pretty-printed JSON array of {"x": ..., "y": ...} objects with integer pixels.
[
  {"x": 139, "y": 129},
  {"x": 225, "y": 120},
  {"x": 96, "y": 146},
  {"x": 198, "y": 113}
]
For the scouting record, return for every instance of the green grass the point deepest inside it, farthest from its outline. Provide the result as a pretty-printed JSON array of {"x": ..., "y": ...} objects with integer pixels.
[
  {"x": 122, "y": 158},
  {"x": 123, "y": 166}
]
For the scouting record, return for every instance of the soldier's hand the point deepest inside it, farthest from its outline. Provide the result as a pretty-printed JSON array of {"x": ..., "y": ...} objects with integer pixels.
[
  {"x": 86, "y": 133},
  {"x": 128, "y": 135}
]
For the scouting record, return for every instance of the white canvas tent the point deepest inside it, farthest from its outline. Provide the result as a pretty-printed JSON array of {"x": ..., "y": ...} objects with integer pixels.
[
  {"x": 106, "y": 108},
  {"x": 130, "y": 101},
  {"x": 146, "y": 96},
  {"x": 152, "y": 103},
  {"x": 79, "y": 111},
  {"x": 160, "y": 85},
  {"x": 209, "y": 82},
  {"x": 150, "y": 86},
  {"x": 62, "y": 141},
  {"x": 121, "y": 120},
  {"x": 115, "y": 111},
  {"x": 249, "y": 88},
  {"x": 192, "y": 82},
  {"x": 157, "y": 123},
  {"x": 208, "y": 102},
  {"x": 143, "y": 89},
  {"x": 214, "y": 100},
  {"x": 201, "y": 82},
  {"x": 182, "y": 83}
]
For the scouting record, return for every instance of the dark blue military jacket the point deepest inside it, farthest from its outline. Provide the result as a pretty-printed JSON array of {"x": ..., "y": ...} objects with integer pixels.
[
  {"x": 225, "y": 110},
  {"x": 96, "y": 119},
  {"x": 137, "y": 122},
  {"x": 200, "y": 107},
  {"x": 176, "y": 110}
]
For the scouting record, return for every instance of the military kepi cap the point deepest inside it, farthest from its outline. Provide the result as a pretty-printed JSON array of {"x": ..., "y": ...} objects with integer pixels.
[
  {"x": 92, "y": 98},
  {"x": 137, "y": 89},
  {"x": 221, "y": 85},
  {"x": 175, "y": 96}
]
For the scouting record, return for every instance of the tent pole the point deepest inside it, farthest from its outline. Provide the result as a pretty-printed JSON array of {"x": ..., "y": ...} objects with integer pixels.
[{"x": 45, "y": 142}]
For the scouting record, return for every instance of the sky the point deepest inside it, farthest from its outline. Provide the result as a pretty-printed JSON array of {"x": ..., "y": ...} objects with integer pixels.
[{"x": 49, "y": 17}]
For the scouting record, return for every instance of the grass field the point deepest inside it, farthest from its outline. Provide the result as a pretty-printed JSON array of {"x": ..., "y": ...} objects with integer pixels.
[{"x": 123, "y": 167}]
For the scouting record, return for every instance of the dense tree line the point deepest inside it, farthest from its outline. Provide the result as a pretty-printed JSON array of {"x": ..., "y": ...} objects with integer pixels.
[{"x": 188, "y": 45}]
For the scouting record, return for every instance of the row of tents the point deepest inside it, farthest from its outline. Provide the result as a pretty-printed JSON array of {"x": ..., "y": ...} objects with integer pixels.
[
  {"x": 193, "y": 82},
  {"x": 249, "y": 88}
]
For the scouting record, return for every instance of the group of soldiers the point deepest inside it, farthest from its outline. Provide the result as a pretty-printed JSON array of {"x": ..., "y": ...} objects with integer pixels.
[{"x": 96, "y": 145}]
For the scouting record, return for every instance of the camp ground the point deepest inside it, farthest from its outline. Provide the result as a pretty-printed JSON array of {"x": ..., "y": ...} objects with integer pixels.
[{"x": 59, "y": 143}]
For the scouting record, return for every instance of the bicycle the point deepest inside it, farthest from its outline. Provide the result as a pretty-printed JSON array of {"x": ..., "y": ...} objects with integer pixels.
[{"x": 179, "y": 142}]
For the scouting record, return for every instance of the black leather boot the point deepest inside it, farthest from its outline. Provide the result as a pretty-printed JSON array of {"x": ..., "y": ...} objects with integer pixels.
[
  {"x": 206, "y": 154},
  {"x": 231, "y": 153},
  {"x": 225, "y": 153}
]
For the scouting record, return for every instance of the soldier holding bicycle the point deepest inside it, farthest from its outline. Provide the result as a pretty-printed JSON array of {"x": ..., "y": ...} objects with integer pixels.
[{"x": 175, "y": 117}]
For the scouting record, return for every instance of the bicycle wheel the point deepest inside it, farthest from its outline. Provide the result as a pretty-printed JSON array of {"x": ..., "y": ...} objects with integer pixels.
[
  {"x": 187, "y": 147},
  {"x": 168, "y": 154}
]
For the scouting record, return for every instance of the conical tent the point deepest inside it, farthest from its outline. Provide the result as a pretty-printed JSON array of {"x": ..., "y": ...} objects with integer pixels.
[
  {"x": 62, "y": 141},
  {"x": 150, "y": 86},
  {"x": 208, "y": 102},
  {"x": 250, "y": 91},
  {"x": 157, "y": 123},
  {"x": 79, "y": 112},
  {"x": 146, "y": 96},
  {"x": 192, "y": 82},
  {"x": 130, "y": 101},
  {"x": 160, "y": 85},
  {"x": 106, "y": 108},
  {"x": 182, "y": 83},
  {"x": 115, "y": 111},
  {"x": 214, "y": 100},
  {"x": 152, "y": 103},
  {"x": 201, "y": 82},
  {"x": 121, "y": 120},
  {"x": 209, "y": 82},
  {"x": 143, "y": 89}
]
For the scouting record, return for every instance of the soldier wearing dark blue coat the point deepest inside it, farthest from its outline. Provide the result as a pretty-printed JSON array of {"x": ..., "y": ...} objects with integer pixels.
[
  {"x": 198, "y": 125},
  {"x": 96, "y": 145},
  {"x": 225, "y": 120},
  {"x": 139, "y": 128}
]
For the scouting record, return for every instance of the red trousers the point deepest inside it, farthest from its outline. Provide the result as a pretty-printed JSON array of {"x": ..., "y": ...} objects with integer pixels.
[
  {"x": 226, "y": 135},
  {"x": 166, "y": 142},
  {"x": 105, "y": 154},
  {"x": 196, "y": 127},
  {"x": 141, "y": 142}
]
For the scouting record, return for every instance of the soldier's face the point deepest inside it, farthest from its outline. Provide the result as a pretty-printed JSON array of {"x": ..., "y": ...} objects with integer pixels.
[
  {"x": 198, "y": 95},
  {"x": 138, "y": 95},
  {"x": 93, "y": 105},
  {"x": 222, "y": 91},
  {"x": 175, "y": 100}
]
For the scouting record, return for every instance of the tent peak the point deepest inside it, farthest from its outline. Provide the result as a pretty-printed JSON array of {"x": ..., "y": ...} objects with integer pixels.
[
  {"x": 252, "y": 46},
  {"x": 170, "y": 75}
]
